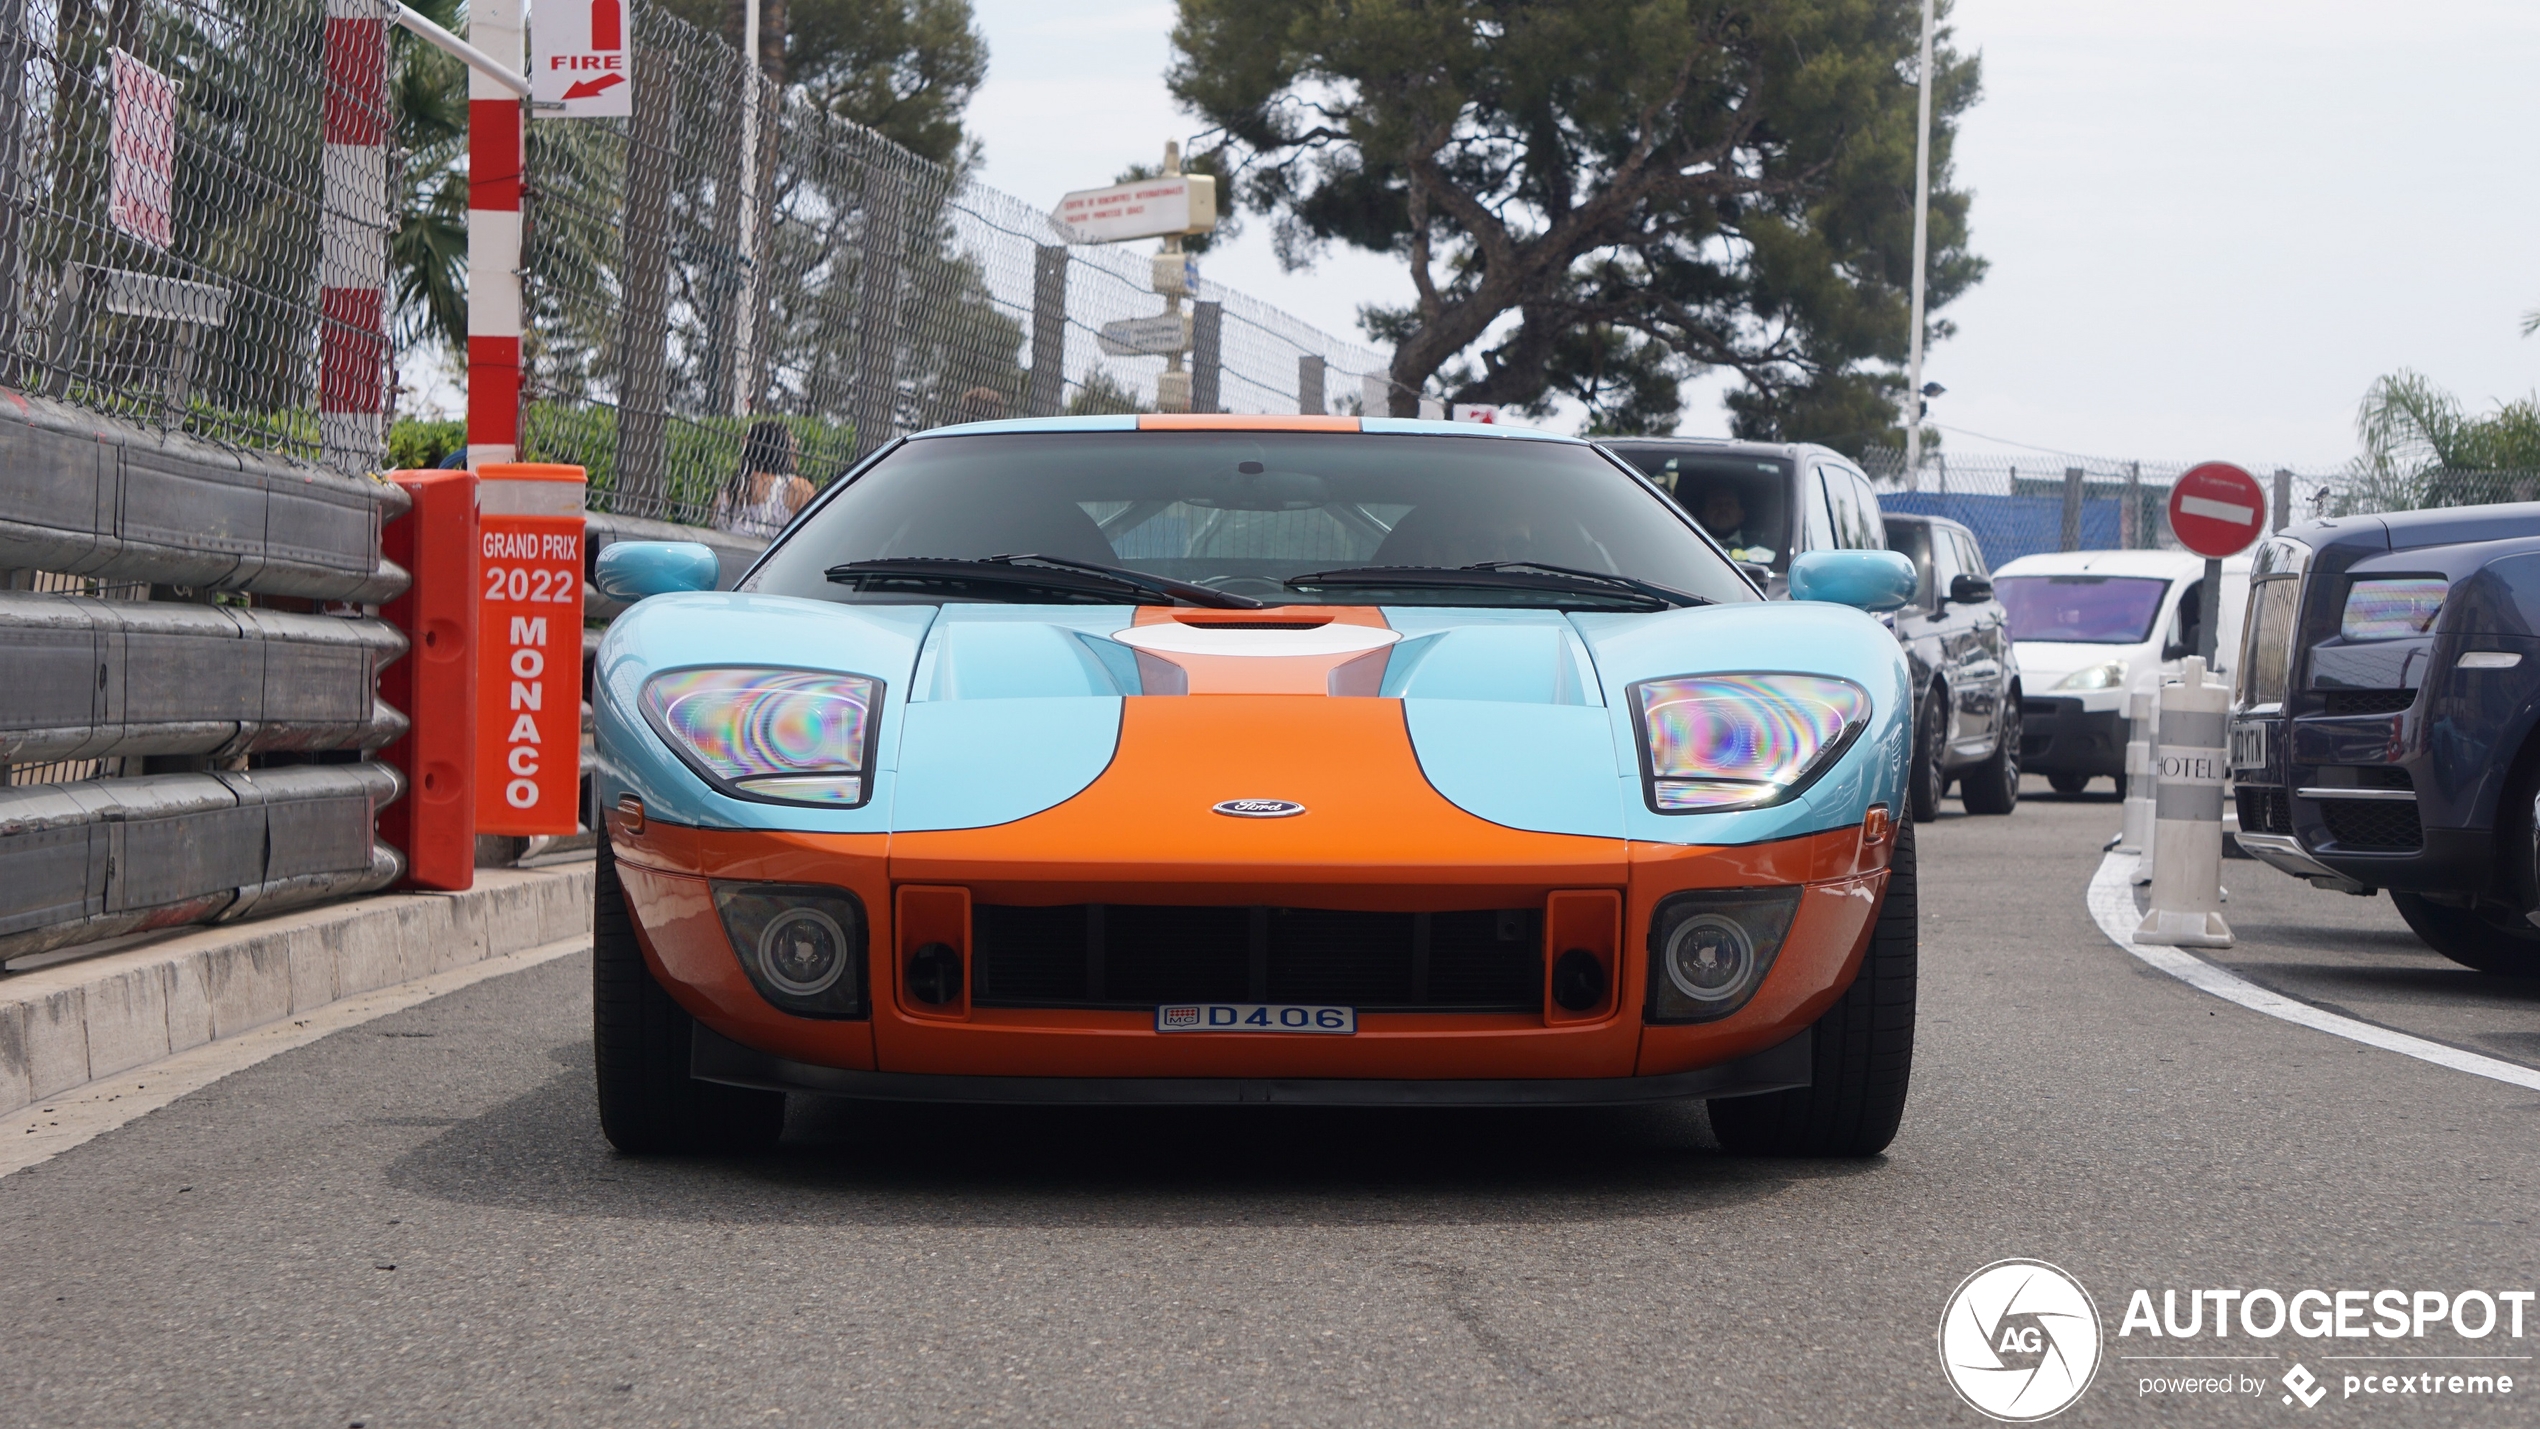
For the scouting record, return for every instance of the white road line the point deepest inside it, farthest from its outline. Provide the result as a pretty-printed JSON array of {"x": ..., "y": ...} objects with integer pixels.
[
  {"x": 49, "y": 1127},
  {"x": 2112, "y": 906}
]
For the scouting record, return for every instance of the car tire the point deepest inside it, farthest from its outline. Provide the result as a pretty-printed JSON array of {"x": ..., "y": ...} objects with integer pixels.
[
  {"x": 1925, "y": 784},
  {"x": 2067, "y": 783},
  {"x": 2473, "y": 937},
  {"x": 1993, "y": 787},
  {"x": 648, "y": 1102},
  {"x": 1863, "y": 1049}
]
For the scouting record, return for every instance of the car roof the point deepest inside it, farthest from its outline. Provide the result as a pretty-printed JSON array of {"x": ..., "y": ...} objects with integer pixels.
[
  {"x": 1729, "y": 446},
  {"x": 1242, "y": 422},
  {"x": 2167, "y": 564}
]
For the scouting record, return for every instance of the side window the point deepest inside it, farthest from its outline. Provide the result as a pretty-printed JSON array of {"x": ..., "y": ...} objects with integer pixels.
[
  {"x": 1819, "y": 517},
  {"x": 2188, "y": 629},
  {"x": 1944, "y": 565},
  {"x": 1873, "y": 529},
  {"x": 1971, "y": 554}
]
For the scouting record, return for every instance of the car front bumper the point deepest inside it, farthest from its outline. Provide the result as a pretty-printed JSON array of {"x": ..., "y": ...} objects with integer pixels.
[{"x": 2073, "y": 734}]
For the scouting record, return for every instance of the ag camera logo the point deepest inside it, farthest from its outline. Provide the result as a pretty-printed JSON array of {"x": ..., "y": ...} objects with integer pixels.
[{"x": 2020, "y": 1341}]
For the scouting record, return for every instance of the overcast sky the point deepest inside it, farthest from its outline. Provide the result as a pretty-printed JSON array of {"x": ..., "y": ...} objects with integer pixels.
[{"x": 2212, "y": 222}]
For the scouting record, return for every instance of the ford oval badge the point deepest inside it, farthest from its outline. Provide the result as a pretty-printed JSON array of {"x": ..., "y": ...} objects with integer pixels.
[{"x": 1258, "y": 808}]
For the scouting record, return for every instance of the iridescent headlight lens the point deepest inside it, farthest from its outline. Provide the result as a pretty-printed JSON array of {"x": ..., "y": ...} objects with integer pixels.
[
  {"x": 1720, "y": 742},
  {"x": 2392, "y": 609},
  {"x": 799, "y": 736}
]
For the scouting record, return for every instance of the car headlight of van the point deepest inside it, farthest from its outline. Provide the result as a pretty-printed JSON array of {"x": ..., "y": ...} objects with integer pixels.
[
  {"x": 2108, "y": 676},
  {"x": 1711, "y": 743},
  {"x": 781, "y": 736}
]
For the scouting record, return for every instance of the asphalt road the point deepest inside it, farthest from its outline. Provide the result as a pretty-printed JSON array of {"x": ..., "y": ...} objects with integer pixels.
[{"x": 415, "y": 1222}]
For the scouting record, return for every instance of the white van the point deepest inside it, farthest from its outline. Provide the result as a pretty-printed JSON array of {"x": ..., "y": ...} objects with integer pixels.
[{"x": 2089, "y": 627}]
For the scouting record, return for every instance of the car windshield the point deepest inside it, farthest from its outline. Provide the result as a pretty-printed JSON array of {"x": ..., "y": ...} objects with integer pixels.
[
  {"x": 2085, "y": 610},
  {"x": 1743, "y": 501},
  {"x": 1243, "y": 512}
]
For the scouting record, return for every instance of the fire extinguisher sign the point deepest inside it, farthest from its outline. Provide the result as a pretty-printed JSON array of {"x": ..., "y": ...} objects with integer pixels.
[
  {"x": 579, "y": 69},
  {"x": 529, "y": 681}
]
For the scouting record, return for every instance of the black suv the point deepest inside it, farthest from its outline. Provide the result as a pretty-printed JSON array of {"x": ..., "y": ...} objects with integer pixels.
[
  {"x": 1768, "y": 501},
  {"x": 1957, "y": 639},
  {"x": 2386, "y": 728}
]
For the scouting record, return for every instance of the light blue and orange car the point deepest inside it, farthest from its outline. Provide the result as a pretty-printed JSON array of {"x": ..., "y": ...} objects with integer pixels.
[{"x": 1200, "y": 759}]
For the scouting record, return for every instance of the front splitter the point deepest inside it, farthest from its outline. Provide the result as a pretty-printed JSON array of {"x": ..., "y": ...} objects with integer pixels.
[{"x": 716, "y": 1058}]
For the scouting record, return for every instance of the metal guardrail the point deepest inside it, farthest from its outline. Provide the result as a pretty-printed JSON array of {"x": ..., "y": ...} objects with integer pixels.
[
  {"x": 93, "y": 679},
  {"x": 94, "y": 859},
  {"x": 84, "y": 495}
]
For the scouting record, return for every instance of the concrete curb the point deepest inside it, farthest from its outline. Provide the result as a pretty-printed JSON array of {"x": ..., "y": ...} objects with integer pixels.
[{"x": 62, "y": 1027}]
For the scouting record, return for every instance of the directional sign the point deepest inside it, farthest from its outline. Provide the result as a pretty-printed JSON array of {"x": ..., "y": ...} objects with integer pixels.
[
  {"x": 1148, "y": 208},
  {"x": 1146, "y": 337},
  {"x": 1483, "y": 412},
  {"x": 580, "y": 60},
  {"x": 2217, "y": 510}
]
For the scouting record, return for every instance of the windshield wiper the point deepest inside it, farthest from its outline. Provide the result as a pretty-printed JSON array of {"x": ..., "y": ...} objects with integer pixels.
[
  {"x": 1047, "y": 574},
  {"x": 1498, "y": 575}
]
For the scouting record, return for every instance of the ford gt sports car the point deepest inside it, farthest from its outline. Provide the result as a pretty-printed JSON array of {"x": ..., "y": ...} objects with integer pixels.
[{"x": 1189, "y": 759}]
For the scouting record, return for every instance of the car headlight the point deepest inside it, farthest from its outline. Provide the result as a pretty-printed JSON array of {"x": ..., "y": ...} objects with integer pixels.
[
  {"x": 2108, "y": 676},
  {"x": 2392, "y": 609},
  {"x": 784, "y": 736},
  {"x": 1710, "y": 743}
]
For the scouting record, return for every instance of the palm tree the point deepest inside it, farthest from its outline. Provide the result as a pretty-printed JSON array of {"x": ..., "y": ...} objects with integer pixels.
[{"x": 2422, "y": 448}]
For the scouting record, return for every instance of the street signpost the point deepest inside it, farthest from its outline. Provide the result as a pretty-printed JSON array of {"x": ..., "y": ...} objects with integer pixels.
[
  {"x": 1168, "y": 206},
  {"x": 581, "y": 70},
  {"x": 1158, "y": 336},
  {"x": 2216, "y": 510}
]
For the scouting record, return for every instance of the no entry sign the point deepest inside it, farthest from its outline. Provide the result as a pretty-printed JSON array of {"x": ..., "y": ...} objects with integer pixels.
[{"x": 2217, "y": 510}]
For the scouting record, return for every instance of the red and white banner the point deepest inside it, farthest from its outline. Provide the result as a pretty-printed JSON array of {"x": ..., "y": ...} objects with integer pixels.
[{"x": 141, "y": 179}]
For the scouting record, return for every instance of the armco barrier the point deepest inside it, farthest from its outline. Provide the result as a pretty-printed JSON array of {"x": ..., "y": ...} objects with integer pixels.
[
  {"x": 435, "y": 824},
  {"x": 246, "y": 720},
  {"x": 105, "y": 856}
]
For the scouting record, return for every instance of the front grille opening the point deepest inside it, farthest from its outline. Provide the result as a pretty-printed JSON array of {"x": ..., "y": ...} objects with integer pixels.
[
  {"x": 2382, "y": 776},
  {"x": 2367, "y": 702},
  {"x": 2380, "y": 825},
  {"x": 1129, "y": 955},
  {"x": 2264, "y": 810}
]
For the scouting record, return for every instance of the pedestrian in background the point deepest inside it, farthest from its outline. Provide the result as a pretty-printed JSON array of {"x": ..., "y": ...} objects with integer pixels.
[{"x": 765, "y": 491}]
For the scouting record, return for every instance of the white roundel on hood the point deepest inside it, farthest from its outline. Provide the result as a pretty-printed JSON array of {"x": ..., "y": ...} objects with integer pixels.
[{"x": 1172, "y": 637}]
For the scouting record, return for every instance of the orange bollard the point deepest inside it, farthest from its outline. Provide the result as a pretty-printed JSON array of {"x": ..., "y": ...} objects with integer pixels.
[
  {"x": 529, "y": 665},
  {"x": 435, "y": 684}
]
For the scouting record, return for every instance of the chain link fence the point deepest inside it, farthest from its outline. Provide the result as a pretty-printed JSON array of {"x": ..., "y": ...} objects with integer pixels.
[
  {"x": 161, "y": 210},
  {"x": 735, "y": 273}
]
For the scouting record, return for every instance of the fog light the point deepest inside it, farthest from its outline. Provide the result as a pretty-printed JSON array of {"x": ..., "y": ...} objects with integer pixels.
[
  {"x": 803, "y": 952},
  {"x": 1708, "y": 952},
  {"x": 1578, "y": 981},
  {"x": 801, "y": 946},
  {"x": 934, "y": 975}
]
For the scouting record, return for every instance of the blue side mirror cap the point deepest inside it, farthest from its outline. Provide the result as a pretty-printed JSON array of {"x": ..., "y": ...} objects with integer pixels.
[
  {"x": 632, "y": 570},
  {"x": 1865, "y": 580}
]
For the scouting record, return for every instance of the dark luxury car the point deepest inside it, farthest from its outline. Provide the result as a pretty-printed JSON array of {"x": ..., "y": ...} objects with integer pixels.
[
  {"x": 1765, "y": 501},
  {"x": 1957, "y": 641},
  {"x": 2383, "y": 730}
]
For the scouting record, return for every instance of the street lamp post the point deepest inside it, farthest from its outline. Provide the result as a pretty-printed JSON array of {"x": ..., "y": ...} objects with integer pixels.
[{"x": 1922, "y": 243}]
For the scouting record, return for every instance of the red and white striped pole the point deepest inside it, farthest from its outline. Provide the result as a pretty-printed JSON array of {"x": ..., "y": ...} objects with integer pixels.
[
  {"x": 353, "y": 236},
  {"x": 493, "y": 236}
]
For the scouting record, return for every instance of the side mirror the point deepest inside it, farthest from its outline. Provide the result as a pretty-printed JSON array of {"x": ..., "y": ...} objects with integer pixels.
[
  {"x": 632, "y": 570},
  {"x": 1969, "y": 590},
  {"x": 1864, "y": 580}
]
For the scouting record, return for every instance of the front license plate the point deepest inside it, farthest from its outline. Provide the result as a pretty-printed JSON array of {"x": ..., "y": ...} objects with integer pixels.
[
  {"x": 2248, "y": 746},
  {"x": 1256, "y": 1017}
]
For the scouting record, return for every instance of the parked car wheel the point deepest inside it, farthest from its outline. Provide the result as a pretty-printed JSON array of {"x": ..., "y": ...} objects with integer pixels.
[
  {"x": 1993, "y": 787},
  {"x": 2473, "y": 937},
  {"x": 648, "y": 1102},
  {"x": 1925, "y": 784},
  {"x": 1864, "y": 1049},
  {"x": 2069, "y": 783}
]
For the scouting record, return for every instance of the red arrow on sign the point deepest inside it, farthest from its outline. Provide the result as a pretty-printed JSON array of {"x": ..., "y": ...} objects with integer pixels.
[
  {"x": 590, "y": 87},
  {"x": 2217, "y": 509}
]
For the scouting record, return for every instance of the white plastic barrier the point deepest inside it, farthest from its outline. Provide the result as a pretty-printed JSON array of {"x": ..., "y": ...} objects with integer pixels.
[
  {"x": 2187, "y": 814},
  {"x": 2136, "y": 835}
]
